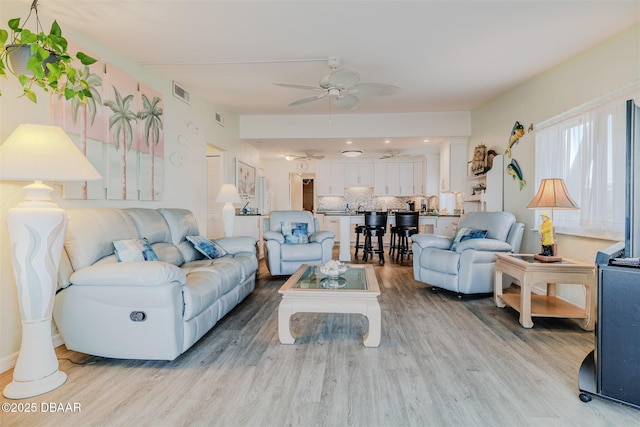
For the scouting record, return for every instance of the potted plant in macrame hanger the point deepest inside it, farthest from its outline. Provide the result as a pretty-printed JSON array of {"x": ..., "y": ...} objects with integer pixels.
[{"x": 42, "y": 59}]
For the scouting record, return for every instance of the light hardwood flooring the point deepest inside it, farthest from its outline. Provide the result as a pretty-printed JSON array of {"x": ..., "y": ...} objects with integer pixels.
[{"x": 441, "y": 362}]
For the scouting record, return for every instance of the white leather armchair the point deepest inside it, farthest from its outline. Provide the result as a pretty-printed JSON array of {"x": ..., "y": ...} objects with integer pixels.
[
  {"x": 469, "y": 268},
  {"x": 283, "y": 258}
]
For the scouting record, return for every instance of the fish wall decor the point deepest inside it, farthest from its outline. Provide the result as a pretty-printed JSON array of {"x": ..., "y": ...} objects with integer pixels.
[
  {"x": 516, "y": 133},
  {"x": 515, "y": 171}
]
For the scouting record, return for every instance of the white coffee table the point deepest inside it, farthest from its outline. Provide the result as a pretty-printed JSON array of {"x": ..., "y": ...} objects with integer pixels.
[{"x": 309, "y": 291}]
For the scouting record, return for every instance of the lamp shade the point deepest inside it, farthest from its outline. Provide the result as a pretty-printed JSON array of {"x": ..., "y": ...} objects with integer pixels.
[
  {"x": 43, "y": 153},
  {"x": 228, "y": 193},
  {"x": 552, "y": 194}
]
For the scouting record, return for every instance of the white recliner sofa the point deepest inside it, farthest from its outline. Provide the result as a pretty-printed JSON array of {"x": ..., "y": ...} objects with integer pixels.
[
  {"x": 152, "y": 310},
  {"x": 469, "y": 267},
  {"x": 284, "y": 257}
]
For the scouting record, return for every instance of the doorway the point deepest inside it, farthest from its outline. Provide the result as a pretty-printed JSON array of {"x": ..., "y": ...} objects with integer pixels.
[{"x": 302, "y": 192}]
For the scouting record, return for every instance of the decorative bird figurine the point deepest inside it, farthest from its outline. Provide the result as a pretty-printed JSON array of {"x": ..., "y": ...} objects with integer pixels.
[
  {"x": 514, "y": 170},
  {"x": 516, "y": 134}
]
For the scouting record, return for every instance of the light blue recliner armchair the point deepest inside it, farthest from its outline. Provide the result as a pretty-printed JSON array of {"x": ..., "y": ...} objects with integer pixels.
[
  {"x": 293, "y": 238},
  {"x": 469, "y": 267}
]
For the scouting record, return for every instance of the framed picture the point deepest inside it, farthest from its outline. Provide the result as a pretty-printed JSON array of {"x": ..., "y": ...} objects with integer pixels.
[{"x": 245, "y": 179}]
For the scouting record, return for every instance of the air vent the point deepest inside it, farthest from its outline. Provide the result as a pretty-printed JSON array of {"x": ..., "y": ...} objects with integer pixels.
[
  {"x": 180, "y": 92},
  {"x": 219, "y": 119}
]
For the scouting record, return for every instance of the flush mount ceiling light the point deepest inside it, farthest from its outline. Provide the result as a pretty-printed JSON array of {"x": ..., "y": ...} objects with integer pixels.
[{"x": 351, "y": 153}]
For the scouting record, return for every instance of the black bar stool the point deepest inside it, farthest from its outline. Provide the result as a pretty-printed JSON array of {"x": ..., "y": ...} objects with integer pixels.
[
  {"x": 406, "y": 226},
  {"x": 359, "y": 228},
  {"x": 375, "y": 225}
]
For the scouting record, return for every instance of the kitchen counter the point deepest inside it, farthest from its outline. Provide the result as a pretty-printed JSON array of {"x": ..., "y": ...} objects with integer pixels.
[
  {"x": 433, "y": 224},
  {"x": 336, "y": 213}
]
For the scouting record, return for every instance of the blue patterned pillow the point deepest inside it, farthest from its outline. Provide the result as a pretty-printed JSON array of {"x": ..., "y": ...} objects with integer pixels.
[
  {"x": 134, "y": 250},
  {"x": 206, "y": 247},
  {"x": 295, "y": 232},
  {"x": 467, "y": 234}
]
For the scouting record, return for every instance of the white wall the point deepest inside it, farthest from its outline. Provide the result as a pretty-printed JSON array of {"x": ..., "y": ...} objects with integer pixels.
[
  {"x": 184, "y": 186},
  {"x": 598, "y": 71}
]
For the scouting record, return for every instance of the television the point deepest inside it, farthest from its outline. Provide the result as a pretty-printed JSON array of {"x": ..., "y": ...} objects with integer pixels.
[{"x": 632, "y": 192}]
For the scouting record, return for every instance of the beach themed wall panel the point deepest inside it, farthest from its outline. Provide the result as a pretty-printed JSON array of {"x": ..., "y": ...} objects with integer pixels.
[
  {"x": 123, "y": 103},
  {"x": 86, "y": 125},
  {"x": 150, "y": 144}
]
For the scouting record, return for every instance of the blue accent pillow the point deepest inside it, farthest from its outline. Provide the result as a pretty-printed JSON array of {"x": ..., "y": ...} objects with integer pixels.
[
  {"x": 295, "y": 232},
  {"x": 206, "y": 247},
  {"x": 134, "y": 250},
  {"x": 467, "y": 234}
]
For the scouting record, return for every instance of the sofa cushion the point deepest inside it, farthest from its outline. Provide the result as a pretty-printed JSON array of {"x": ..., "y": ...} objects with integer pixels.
[
  {"x": 497, "y": 224},
  {"x": 182, "y": 223},
  {"x": 92, "y": 231},
  {"x": 206, "y": 247},
  {"x": 442, "y": 261},
  {"x": 134, "y": 250},
  {"x": 310, "y": 251},
  {"x": 150, "y": 224}
]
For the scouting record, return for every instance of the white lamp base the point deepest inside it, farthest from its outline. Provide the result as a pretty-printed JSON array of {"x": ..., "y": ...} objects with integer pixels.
[
  {"x": 37, "y": 357},
  {"x": 37, "y": 228},
  {"x": 228, "y": 217}
]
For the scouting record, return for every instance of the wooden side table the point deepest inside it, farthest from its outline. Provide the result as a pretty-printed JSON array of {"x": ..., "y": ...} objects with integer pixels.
[{"x": 529, "y": 272}]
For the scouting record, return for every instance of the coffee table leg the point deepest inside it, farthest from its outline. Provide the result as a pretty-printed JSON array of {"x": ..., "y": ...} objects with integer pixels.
[
  {"x": 372, "y": 337},
  {"x": 525, "y": 304},
  {"x": 285, "y": 310}
]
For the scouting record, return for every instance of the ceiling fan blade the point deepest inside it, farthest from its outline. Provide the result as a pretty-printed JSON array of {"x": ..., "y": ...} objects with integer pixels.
[
  {"x": 306, "y": 100},
  {"x": 306, "y": 87},
  {"x": 318, "y": 157},
  {"x": 374, "y": 89},
  {"x": 344, "y": 78},
  {"x": 347, "y": 102}
]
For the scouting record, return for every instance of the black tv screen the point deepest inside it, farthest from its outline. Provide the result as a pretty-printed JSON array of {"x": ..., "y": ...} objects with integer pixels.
[{"x": 632, "y": 208}]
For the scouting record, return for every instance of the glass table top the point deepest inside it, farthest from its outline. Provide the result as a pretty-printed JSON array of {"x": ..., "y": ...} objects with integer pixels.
[{"x": 312, "y": 278}]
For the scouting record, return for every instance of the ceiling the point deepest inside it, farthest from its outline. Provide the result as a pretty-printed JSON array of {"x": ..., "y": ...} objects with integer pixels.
[{"x": 444, "y": 55}]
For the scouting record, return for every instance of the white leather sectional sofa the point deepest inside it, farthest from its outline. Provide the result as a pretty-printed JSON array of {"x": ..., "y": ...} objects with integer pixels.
[{"x": 145, "y": 309}]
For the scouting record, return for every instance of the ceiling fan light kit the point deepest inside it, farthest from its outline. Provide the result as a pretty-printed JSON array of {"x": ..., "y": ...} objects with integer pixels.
[{"x": 351, "y": 153}]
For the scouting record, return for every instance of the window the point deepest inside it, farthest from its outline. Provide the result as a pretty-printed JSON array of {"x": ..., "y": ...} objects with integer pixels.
[{"x": 586, "y": 148}]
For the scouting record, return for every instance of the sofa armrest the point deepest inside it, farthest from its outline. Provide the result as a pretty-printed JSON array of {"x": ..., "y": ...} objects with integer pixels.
[
  {"x": 235, "y": 245},
  {"x": 321, "y": 236},
  {"x": 135, "y": 273},
  {"x": 431, "y": 241},
  {"x": 274, "y": 235},
  {"x": 490, "y": 245}
]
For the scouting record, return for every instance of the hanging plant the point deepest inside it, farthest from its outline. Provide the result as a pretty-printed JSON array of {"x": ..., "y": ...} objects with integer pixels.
[{"x": 41, "y": 59}]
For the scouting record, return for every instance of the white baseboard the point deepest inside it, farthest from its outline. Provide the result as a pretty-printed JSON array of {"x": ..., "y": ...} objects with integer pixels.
[{"x": 9, "y": 362}]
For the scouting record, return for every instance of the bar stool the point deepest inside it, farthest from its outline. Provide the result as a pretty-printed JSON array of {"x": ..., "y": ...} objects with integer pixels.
[
  {"x": 406, "y": 226},
  {"x": 375, "y": 225},
  {"x": 359, "y": 229}
]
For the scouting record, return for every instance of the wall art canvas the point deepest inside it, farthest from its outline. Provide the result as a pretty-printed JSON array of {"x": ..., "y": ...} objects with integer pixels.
[
  {"x": 150, "y": 144},
  {"x": 245, "y": 179}
]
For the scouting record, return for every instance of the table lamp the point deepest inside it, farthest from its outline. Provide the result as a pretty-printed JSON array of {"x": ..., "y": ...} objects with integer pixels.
[
  {"x": 37, "y": 228},
  {"x": 552, "y": 194},
  {"x": 228, "y": 194}
]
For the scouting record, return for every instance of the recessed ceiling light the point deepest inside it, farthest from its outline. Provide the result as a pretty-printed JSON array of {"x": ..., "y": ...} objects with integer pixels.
[
  {"x": 426, "y": 140},
  {"x": 387, "y": 141},
  {"x": 349, "y": 142},
  {"x": 351, "y": 153}
]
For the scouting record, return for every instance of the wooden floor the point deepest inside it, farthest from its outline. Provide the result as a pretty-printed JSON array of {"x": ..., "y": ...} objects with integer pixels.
[{"x": 441, "y": 362}]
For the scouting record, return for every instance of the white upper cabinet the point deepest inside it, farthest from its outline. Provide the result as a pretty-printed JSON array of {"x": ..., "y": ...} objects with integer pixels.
[
  {"x": 330, "y": 179},
  {"x": 406, "y": 179},
  {"x": 419, "y": 188},
  {"x": 453, "y": 166},
  {"x": 358, "y": 174}
]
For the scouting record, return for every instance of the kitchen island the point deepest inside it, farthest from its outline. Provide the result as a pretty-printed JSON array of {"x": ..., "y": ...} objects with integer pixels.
[{"x": 343, "y": 223}]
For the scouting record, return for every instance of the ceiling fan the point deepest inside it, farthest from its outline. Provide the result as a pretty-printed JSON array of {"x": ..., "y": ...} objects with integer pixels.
[
  {"x": 342, "y": 86},
  {"x": 393, "y": 154},
  {"x": 308, "y": 155}
]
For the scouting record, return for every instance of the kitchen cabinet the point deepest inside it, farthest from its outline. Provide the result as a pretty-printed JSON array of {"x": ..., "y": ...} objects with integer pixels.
[
  {"x": 419, "y": 178},
  {"x": 406, "y": 179},
  {"x": 330, "y": 179},
  {"x": 386, "y": 179},
  {"x": 447, "y": 225},
  {"x": 357, "y": 174},
  {"x": 453, "y": 165},
  {"x": 332, "y": 223},
  {"x": 252, "y": 226},
  {"x": 432, "y": 175}
]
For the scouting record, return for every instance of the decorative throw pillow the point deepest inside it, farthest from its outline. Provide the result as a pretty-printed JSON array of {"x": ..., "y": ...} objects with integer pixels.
[
  {"x": 295, "y": 232},
  {"x": 467, "y": 234},
  {"x": 206, "y": 247},
  {"x": 134, "y": 250}
]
